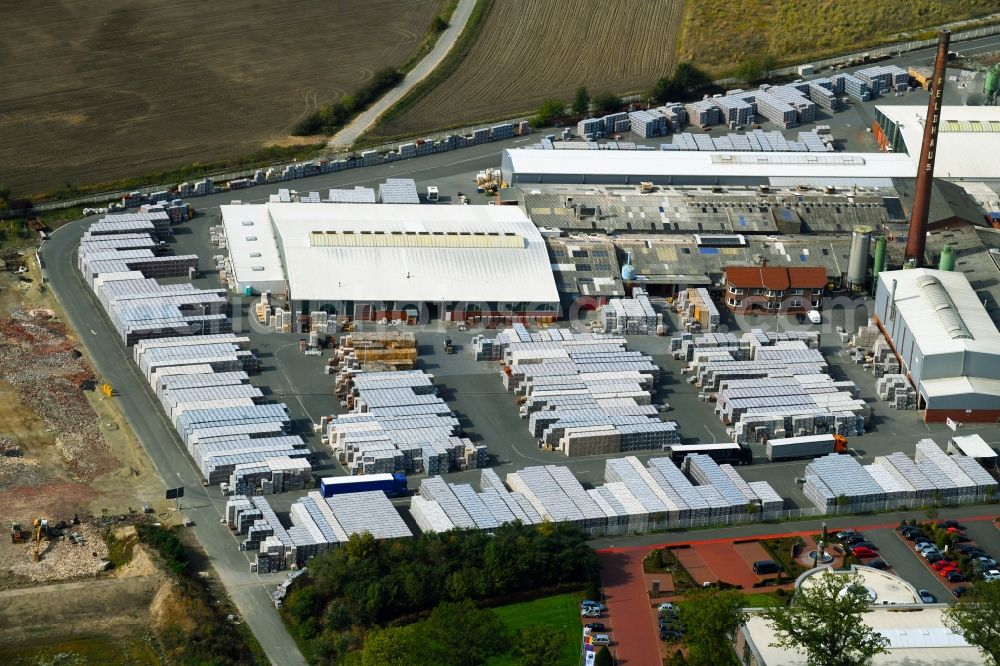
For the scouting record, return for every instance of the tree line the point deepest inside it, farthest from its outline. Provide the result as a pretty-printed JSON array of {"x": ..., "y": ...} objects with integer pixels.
[
  {"x": 333, "y": 117},
  {"x": 369, "y": 583},
  {"x": 684, "y": 83}
]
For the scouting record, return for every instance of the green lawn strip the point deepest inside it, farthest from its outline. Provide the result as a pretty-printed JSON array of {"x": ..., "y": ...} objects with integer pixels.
[{"x": 560, "y": 611}]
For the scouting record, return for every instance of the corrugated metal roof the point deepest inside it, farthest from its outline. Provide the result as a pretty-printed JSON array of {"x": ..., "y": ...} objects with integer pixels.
[
  {"x": 934, "y": 321},
  {"x": 709, "y": 164}
]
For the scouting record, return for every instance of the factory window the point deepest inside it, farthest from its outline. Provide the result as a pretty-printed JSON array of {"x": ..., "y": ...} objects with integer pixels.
[
  {"x": 770, "y": 305},
  {"x": 795, "y": 303},
  {"x": 251, "y": 238},
  {"x": 757, "y": 292},
  {"x": 774, "y": 293},
  {"x": 736, "y": 291},
  {"x": 735, "y": 302},
  {"x": 796, "y": 292},
  {"x": 816, "y": 303}
]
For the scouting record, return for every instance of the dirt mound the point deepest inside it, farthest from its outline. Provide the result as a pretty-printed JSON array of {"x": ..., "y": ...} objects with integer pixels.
[{"x": 169, "y": 608}]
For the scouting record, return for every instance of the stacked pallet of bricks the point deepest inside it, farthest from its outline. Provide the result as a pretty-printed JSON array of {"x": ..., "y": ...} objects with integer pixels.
[
  {"x": 771, "y": 385},
  {"x": 703, "y": 113},
  {"x": 896, "y": 388},
  {"x": 590, "y": 128},
  {"x": 630, "y": 316},
  {"x": 318, "y": 525},
  {"x": 797, "y": 96},
  {"x": 884, "y": 78},
  {"x": 837, "y": 483},
  {"x": 358, "y": 351},
  {"x": 854, "y": 87},
  {"x": 134, "y": 253},
  {"x": 821, "y": 92},
  {"x": 398, "y": 191},
  {"x": 502, "y": 131},
  {"x": 358, "y": 195},
  {"x": 278, "y": 474},
  {"x": 698, "y": 311},
  {"x": 674, "y": 114},
  {"x": 706, "y": 472},
  {"x": 734, "y": 110},
  {"x": 141, "y": 308},
  {"x": 776, "y": 109},
  {"x": 646, "y": 124},
  {"x": 397, "y": 423},
  {"x": 200, "y": 379},
  {"x": 585, "y": 396},
  {"x": 558, "y": 497},
  {"x": 611, "y": 122}
]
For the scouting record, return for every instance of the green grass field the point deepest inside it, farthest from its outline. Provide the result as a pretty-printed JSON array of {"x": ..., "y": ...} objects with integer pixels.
[
  {"x": 560, "y": 611},
  {"x": 135, "y": 650}
]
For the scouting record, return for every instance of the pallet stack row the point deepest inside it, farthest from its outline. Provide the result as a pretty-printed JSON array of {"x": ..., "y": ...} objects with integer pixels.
[
  {"x": 318, "y": 524},
  {"x": 646, "y": 124},
  {"x": 703, "y": 113},
  {"x": 183, "y": 345},
  {"x": 839, "y": 484},
  {"x": 581, "y": 394},
  {"x": 634, "y": 499},
  {"x": 630, "y": 316},
  {"x": 882, "y": 79},
  {"x": 398, "y": 423}
]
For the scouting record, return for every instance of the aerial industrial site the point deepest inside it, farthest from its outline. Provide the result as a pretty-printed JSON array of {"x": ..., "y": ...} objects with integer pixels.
[{"x": 625, "y": 383}]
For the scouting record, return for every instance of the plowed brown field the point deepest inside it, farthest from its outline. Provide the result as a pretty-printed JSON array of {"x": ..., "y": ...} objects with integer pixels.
[
  {"x": 530, "y": 50},
  {"x": 94, "y": 91}
]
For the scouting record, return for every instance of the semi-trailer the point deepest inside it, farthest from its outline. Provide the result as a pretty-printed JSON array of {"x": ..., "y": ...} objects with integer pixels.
[
  {"x": 807, "y": 446},
  {"x": 393, "y": 485}
]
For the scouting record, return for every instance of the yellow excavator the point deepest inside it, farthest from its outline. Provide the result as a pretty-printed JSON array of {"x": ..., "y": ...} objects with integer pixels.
[{"x": 41, "y": 529}]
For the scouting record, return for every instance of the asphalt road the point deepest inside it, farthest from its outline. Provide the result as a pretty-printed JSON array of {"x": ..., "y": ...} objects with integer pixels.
[
  {"x": 347, "y": 136},
  {"x": 906, "y": 563},
  {"x": 205, "y": 506}
]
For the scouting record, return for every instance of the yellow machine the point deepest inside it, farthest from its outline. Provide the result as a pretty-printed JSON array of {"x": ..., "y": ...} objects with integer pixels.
[
  {"x": 41, "y": 528},
  {"x": 107, "y": 390}
]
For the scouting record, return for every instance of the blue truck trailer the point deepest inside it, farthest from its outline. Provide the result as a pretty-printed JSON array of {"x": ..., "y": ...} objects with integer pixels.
[{"x": 394, "y": 485}]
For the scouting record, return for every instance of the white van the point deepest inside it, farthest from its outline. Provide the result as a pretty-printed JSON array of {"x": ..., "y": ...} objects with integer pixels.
[
  {"x": 815, "y": 317},
  {"x": 600, "y": 639}
]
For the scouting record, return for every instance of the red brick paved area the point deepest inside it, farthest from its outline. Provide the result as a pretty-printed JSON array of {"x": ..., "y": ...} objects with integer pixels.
[{"x": 636, "y": 641}]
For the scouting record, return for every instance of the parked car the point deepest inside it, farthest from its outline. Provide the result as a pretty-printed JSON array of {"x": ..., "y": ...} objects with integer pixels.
[
  {"x": 861, "y": 551},
  {"x": 843, "y": 534},
  {"x": 921, "y": 539},
  {"x": 927, "y": 597},
  {"x": 909, "y": 530},
  {"x": 960, "y": 590},
  {"x": 941, "y": 564},
  {"x": 878, "y": 563},
  {"x": 953, "y": 523},
  {"x": 933, "y": 557},
  {"x": 988, "y": 561},
  {"x": 600, "y": 639},
  {"x": 670, "y": 635},
  {"x": 590, "y": 611},
  {"x": 991, "y": 575},
  {"x": 865, "y": 544},
  {"x": 595, "y": 626},
  {"x": 947, "y": 571},
  {"x": 924, "y": 546},
  {"x": 587, "y": 603},
  {"x": 956, "y": 577},
  {"x": 671, "y": 626},
  {"x": 854, "y": 538},
  {"x": 666, "y": 607}
]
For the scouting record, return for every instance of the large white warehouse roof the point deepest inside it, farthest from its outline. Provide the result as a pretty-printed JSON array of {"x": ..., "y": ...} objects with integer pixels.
[
  {"x": 412, "y": 253},
  {"x": 529, "y": 162},
  {"x": 968, "y": 138}
]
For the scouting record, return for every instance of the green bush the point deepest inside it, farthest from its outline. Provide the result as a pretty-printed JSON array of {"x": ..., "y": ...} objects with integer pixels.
[{"x": 332, "y": 117}]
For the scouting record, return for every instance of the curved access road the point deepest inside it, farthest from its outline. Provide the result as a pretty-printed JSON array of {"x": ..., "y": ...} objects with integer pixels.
[{"x": 346, "y": 137}]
